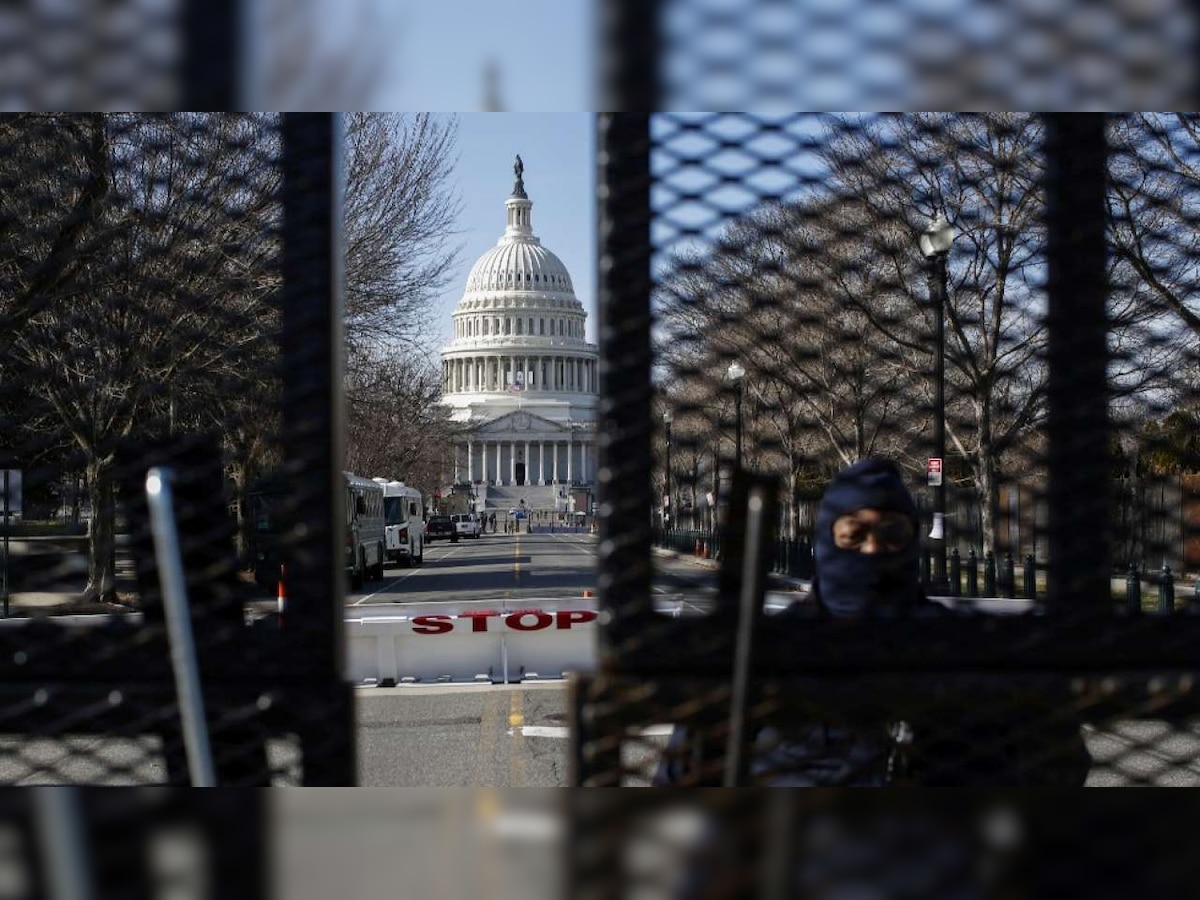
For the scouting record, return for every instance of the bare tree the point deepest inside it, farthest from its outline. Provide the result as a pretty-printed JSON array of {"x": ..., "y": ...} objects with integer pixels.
[
  {"x": 399, "y": 217},
  {"x": 170, "y": 310},
  {"x": 985, "y": 171},
  {"x": 401, "y": 431}
]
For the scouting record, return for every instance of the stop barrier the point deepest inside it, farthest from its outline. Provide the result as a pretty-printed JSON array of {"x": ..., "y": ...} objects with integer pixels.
[{"x": 496, "y": 641}]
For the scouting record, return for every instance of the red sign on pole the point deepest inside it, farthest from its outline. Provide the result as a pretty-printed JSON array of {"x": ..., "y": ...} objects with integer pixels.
[{"x": 934, "y": 469}]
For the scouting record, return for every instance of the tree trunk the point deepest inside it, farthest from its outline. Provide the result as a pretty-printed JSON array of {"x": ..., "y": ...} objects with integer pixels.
[
  {"x": 987, "y": 483},
  {"x": 101, "y": 583},
  {"x": 240, "y": 478},
  {"x": 792, "y": 511}
]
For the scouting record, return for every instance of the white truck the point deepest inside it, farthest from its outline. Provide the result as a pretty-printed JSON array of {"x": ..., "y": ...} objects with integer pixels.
[{"x": 404, "y": 523}]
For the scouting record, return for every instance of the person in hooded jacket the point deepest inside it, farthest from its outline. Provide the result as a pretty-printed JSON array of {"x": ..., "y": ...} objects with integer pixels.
[{"x": 866, "y": 551}]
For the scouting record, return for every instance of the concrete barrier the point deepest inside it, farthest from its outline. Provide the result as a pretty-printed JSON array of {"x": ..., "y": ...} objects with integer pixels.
[{"x": 497, "y": 641}]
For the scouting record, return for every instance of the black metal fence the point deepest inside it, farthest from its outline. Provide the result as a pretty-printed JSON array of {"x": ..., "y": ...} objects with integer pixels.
[
  {"x": 169, "y": 299},
  {"x": 761, "y": 281}
]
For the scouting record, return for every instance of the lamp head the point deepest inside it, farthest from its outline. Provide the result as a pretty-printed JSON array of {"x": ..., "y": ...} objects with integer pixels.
[
  {"x": 735, "y": 372},
  {"x": 936, "y": 239}
]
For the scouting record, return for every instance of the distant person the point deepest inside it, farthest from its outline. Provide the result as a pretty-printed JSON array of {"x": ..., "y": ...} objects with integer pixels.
[{"x": 866, "y": 549}]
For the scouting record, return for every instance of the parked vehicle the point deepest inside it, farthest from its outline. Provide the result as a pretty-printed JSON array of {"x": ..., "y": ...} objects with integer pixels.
[
  {"x": 467, "y": 525},
  {"x": 366, "y": 544},
  {"x": 440, "y": 527},
  {"x": 365, "y": 541},
  {"x": 404, "y": 526}
]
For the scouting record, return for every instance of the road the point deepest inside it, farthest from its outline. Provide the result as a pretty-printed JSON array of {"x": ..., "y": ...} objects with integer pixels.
[
  {"x": 510, "y": 735},
  {"x": 502, "y": 566},
  {"x": 494, "y": 566}
]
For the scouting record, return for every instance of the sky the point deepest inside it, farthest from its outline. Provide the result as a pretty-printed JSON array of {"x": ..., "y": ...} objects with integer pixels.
[
  {"x": 441, "y": 50},
  {"x": 558, "y": 152}
]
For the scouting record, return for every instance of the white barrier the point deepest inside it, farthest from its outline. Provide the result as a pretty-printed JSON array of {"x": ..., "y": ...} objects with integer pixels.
[{"x": 497, "y": 641}]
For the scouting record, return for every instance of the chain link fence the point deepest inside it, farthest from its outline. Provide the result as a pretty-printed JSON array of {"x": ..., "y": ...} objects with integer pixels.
[
  {"x": 991, "y": 301},
  {"x": 166, "y": 303}
]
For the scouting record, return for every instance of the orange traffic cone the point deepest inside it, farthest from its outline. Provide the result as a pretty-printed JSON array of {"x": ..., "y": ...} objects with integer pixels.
[
  {"x": 699, "y": 547},
  {"x": 280, "y": 595},
  {"x": 706, "y": 549}
]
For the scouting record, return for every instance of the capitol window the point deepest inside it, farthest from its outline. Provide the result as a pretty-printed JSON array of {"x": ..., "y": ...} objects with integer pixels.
[
  {"x": 520, "y": 324},
  {"x": 542, "y": 326}
]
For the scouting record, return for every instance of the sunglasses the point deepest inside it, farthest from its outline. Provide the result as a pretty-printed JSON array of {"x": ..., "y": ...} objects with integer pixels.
[{"x": 873, "y": 531}]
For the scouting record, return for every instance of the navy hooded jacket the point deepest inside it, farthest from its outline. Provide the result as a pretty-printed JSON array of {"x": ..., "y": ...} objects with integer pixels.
[{"x": 850, "y": 584}]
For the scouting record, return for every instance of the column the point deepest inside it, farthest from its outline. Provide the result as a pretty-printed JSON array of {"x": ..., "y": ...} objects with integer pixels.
[
  {"x": 470, "y": 461},
  {"x": 541, "y": 462},
  {"x": 528, "y": 464},
  {"x": 499, "y": 478},
  {"x": 554, "y": 450},
  {"x": 570, "y": 449},
  {"x": 512, "y": 462},
  {"x": 583, "y": 463}
]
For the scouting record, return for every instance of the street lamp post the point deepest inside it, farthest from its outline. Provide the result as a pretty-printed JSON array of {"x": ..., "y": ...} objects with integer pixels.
[
  {"x": 935, "y": 243},
  {"x": 736, "y": 373},
  {"x": 669, "y": 504}
]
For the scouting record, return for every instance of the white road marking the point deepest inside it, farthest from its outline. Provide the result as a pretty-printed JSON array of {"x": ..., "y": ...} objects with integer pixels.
[
  {"x": 561, "y": 732},
  {"x": 409, "y": 574}
]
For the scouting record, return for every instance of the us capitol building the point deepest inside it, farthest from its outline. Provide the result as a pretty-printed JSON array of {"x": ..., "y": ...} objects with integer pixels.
[{"x": 519, "y": 378}]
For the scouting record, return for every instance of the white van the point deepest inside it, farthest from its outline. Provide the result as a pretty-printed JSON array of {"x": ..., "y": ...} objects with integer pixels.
[
  {"x": 467, "y": 525},
  {"x": 404, "y": 525}
]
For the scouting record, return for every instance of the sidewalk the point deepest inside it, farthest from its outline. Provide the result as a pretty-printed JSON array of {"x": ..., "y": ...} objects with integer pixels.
[{"x": 800, "y": 585}]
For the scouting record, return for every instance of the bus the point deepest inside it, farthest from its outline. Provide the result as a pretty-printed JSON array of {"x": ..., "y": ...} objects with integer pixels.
[
  {"x": 404, "y": 522},
  {"x": 366, "y": 542}
]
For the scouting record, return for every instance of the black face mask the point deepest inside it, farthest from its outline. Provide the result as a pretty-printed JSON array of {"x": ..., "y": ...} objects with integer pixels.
[{"x": 852, "y": 583}]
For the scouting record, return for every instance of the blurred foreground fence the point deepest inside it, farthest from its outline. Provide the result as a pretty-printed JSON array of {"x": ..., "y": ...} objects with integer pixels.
[
  {"x": 170, "y": 299},
  {"x": 762, "y": 292}
]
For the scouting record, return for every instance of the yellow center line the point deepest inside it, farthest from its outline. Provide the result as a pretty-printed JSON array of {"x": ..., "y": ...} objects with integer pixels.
[
  {"x": 516, "y": 753},
  {"x": 485, "y": 752}
]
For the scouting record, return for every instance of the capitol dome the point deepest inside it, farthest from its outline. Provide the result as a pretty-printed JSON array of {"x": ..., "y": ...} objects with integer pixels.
[
  {"x": 519, "y": 263},
  {"x": 520, "y": 377}
]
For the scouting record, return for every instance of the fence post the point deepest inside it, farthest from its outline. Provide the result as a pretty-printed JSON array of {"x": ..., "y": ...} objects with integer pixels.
[
  {"x": 1010, "y": 576},
  {"x": 1166, "y": 591},
  {"x": 1133, "y": 590},
  {"x": 926, "y": 563},
  {"x": 955, "y": 573},
  {"x": 972, "y": 573},
  {"x": 1031, "y": 577},
  {"x": 989, "y": 574}
]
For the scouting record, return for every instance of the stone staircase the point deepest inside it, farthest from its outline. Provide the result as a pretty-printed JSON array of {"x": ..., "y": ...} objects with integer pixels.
[{"x": 505, "y": 497}]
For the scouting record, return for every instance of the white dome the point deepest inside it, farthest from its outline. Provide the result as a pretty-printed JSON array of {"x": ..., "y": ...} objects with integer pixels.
[{"x": 519, "y": 263}]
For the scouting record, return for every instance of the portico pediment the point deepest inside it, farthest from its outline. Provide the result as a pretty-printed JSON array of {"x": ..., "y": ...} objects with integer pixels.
[{"x": 520, "y": 422}]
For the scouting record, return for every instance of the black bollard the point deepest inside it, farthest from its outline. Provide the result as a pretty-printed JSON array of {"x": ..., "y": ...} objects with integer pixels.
[
  {"x": 1030, "y": 577},
  {"x": 1166, "y": 591},
  {"x": 989, "y": 574},
  {"x": 926, "y": 567},
  {"x": 1010, "y": 576},
  {"x": 1133, "y": 590},
  {"x": 955, "y": 573},
  {"x": 972, "y": 573}
]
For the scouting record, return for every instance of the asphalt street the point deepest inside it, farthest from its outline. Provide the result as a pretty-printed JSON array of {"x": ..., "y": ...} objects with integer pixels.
[
  {"x": 494, "y": 566},
  {"x": 516, "y": 734}
]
